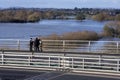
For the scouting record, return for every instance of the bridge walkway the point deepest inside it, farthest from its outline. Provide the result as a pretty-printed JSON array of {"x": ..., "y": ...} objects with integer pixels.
[{"x": 47, "y": 76}]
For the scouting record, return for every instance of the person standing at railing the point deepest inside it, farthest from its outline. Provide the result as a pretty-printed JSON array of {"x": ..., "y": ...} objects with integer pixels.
[
  {"x": 31, "y": 44},
  {"x": 36, "y": 44}
]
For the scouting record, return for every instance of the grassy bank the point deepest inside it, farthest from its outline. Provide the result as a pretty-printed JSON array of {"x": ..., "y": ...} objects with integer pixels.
[{"x": 79, "y": 35}]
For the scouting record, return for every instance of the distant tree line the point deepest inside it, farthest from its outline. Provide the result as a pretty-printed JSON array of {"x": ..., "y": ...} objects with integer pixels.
[
  {"x": 19, "y": 16},
  {"x": 36, "y": 14},
  {"x": 106, "y": 17},
  {"x": 23, "y": 15}
]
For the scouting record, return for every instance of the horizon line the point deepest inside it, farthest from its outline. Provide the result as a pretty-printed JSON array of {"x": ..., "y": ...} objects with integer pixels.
[{"x": 56, "y": 8}]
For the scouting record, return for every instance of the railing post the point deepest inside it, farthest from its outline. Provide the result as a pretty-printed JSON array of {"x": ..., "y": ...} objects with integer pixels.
[
  {"x": 83, "y": 64},
  {"x": 63, "y": 45},
  {"x": 59, "y": 62},
  {"x": 63, "y": 62},
  {"x": 89, "y": 45},
  {"x": 2, "y": 56},
  {"x": 29, "y": 60},
  {"x": 18, "y": 43},
  {"x": 49, "y": 61},
  {"x": 118, "y": 65},
  {"x": 72, "y": 63},
  {"x": 117, "y": 47},
  {"x": 100, "y": 58}
]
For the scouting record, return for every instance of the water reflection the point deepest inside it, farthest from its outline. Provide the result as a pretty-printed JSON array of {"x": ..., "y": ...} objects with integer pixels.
[{"x": 106, "y": 45}]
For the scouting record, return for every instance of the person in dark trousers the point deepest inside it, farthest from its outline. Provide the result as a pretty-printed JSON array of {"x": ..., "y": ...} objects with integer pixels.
[
  {"x": 31, "y": 44},
  {"x": 36, "y": 44}
]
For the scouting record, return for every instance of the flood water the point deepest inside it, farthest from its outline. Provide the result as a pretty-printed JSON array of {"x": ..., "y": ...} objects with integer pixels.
[{"x": 47, "y": 27}]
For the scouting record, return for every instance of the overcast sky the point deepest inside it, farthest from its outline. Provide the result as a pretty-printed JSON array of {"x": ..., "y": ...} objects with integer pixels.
[{"x": 60, "y": 3}]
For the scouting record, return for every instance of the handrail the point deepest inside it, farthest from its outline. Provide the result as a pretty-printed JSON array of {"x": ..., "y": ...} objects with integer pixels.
[
  {"x": 63, "y": 45},
  {"x": 61, "y": 61}
]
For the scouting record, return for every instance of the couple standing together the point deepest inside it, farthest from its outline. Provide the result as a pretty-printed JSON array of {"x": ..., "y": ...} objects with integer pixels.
[{"x": 36, "y": 44}]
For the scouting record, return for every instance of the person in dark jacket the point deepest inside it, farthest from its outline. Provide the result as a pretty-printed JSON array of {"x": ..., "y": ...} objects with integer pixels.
[
  {"x": 31, "y": 44},
  {"x": 36, "y": 44}
]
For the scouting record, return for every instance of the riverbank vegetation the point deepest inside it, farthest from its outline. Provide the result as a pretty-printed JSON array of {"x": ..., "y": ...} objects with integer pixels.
[
  {"x": 79, "y": 35},
  {"x": 112, "y": 29}
]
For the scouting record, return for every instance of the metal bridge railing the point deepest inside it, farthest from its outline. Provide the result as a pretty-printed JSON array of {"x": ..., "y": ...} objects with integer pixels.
[
  {"x": 76, "y": 63},
  {"x": 14, "y": 44},
  {"x": 64, "y": 45},
  {"x": 81, "y": 46}
]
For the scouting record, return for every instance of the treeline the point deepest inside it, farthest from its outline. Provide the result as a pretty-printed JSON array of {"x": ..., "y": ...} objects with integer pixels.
[
  {"x": 106, "y": 17},
  {"x": 28, "y": 15},
  {"x": 24, "y": 15},
  {"x": 19, "y": 16},
  {"x": 36, "y": 14}
]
